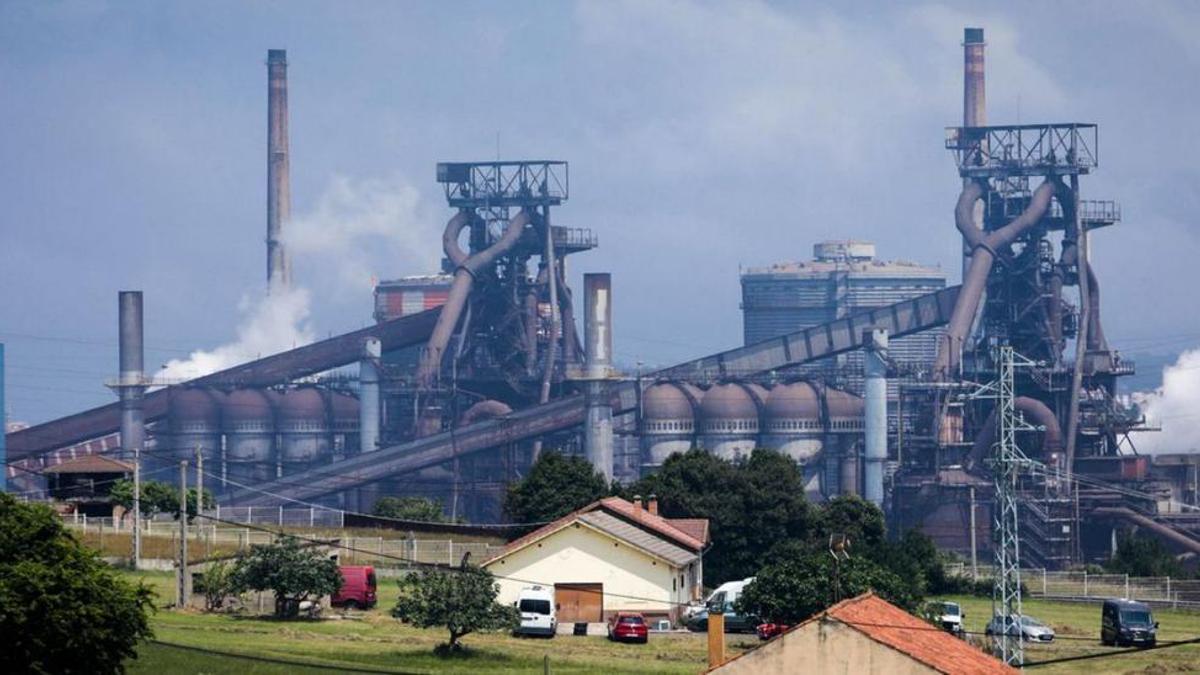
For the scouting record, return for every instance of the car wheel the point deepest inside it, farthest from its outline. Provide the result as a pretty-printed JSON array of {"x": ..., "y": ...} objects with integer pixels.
[{"x": 351, "y": 604}]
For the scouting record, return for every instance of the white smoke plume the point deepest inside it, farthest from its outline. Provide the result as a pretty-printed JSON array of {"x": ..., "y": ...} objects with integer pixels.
[
  {"x": 1175, "y": 407},
  {"x": 362, "y": 229},
  {"x": 270, "y": 324}
]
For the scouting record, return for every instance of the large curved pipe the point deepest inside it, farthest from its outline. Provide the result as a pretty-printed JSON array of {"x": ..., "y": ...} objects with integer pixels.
[
  {"x": 485, "y": 410},
  {"x": 1040, "y": 413},
  {"x": 975, "y": 282},
  {"x": 467, "y": 268}
]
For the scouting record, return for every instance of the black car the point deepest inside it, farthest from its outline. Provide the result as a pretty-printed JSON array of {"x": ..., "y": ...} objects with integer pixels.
[{"x": 1126, "y": 622}]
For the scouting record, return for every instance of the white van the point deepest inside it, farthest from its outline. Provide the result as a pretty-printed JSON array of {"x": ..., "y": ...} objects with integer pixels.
[
  {"x": 722, "y": 600},
  {"x": 536, "y": 605}
]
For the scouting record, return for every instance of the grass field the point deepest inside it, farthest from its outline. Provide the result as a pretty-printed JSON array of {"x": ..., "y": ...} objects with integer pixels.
[
  {"x": 374, "y": 642},
  {"x": 1077, "y": 626}
]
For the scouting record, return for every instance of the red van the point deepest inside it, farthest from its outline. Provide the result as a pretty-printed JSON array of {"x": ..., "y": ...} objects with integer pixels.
[{"x": 358, "y": 588}]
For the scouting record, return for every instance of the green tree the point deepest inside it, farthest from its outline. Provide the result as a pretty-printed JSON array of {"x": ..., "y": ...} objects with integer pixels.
[
  {"x": 62, "y": 610},
  {"x": 751, "y": 506},
  {"x": 1143, "y": 556},
  {"x": 410, "y": 508},
  {"x": 463, "y": 600},
  {"x": 557, "y": 484},
  {"x": 290, "y": 570},
  {"x": 157, "y": 497},
  {"x": 855, "y": 517},
  {"x": 801, "y": 581}
]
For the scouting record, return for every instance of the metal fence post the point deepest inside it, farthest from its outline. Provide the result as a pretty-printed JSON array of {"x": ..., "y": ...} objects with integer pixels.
[
  {"x": 311, "y": 517},
  {"x": 1127, "y": 585},
  {"x": 1043, "y": 582},
  {"x": 281, "y": 515},
  {"x": 450, "y": 552},
  {"x": 1168, "y": 588},
  {"x": 1085, "y": 584}
]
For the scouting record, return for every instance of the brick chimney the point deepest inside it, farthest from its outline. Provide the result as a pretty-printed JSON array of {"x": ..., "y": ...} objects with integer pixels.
[
  {"x": 652, "y": 505},
  {"x": 637, "y": 507}
]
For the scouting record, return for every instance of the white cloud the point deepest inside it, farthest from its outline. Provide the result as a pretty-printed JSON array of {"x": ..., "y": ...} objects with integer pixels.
[
  {"x": 1174, "y": 407},
  {"x": 362, "y": 229}
]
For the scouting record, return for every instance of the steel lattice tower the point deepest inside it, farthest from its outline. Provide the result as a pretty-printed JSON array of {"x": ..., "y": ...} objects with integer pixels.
[{"x": 1006, "y": 591}]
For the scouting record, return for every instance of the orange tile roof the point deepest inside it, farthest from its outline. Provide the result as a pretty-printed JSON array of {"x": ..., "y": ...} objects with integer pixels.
[
  {"x": 887, "y": 624},
  {"x": 893, "y": 627},
  {"x": 91, "y": 464},
  {"x": 661, "y": 526}
]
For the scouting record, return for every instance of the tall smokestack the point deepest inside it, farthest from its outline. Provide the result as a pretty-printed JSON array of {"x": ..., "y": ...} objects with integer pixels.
[
  {"x": 279, "y": 199},
  {"x": 130, "y": 377},
  {"x": 598, "y": 427},
  {"x": 974, "y": 99}
]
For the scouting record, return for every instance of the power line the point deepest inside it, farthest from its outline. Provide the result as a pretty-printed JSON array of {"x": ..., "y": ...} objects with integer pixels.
[
  {"x": 1112, "y": 654},
  {"x": 278, "y": 661}
]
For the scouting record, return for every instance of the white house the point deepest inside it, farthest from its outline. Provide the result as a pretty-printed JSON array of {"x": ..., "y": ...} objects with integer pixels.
[{"x": 612, "y": 555}]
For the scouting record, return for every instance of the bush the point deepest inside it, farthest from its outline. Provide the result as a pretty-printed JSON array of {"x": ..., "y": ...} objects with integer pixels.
[
  {"x": 410, "y": 508},
  {"x": 217, "y": 584},
  {"x": 62, "y": 610},
  {"x": 557, "y": 484},
  {"x": 463, "y": 600},
  {"x": 293, "y": 572}
]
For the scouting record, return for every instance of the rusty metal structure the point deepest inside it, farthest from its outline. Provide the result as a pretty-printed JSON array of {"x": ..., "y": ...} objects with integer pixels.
[{"x": 469, "y": 373}]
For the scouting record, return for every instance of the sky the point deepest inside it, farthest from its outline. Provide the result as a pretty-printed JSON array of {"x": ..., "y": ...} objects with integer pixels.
[{"x": 701, "y": 137}]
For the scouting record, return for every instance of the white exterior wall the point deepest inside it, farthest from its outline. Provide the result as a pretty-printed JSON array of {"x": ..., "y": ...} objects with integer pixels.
[{"x": 633, "y": 580}]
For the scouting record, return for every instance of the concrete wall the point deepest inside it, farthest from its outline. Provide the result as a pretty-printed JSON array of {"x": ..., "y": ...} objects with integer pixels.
[
  {"x": 633, "y": 580},
  {"x": 824, "y": 647}
]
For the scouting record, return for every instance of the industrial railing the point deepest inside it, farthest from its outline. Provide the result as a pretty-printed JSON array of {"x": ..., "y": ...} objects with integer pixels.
[
  {"x": 160, "y": 541},
  {"x": 1083, "y": 585}
]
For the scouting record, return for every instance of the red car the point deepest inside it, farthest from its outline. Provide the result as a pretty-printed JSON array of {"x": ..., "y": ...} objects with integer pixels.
[
  {"x": 628, "y": 627},
  {"x": 358, "y": 588},
  {"x": 766, "y": 631}
]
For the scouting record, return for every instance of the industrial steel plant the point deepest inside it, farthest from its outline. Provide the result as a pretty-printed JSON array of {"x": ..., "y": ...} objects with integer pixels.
[{"x": 958, "y": 409}]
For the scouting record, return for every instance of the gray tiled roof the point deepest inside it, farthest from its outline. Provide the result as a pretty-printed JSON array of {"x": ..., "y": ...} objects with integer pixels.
[{"x": 638, "y": 537}]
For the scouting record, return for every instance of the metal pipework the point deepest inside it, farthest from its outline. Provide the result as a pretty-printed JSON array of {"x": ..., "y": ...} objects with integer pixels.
[
  {"x": 279, "y": 200},
  {"x": 975, "y": 282},
  {"x": 1040, "y": 413},
  {"x": 598, "y": 426},
  {"x": 130, "y": 377},
  {"x": 468, "y": 267},
  {"x": 875, "y": 346}
]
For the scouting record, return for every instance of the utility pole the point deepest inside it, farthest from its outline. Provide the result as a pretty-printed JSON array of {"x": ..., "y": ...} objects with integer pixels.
[
  {"x": 182, "y": 589},
  {"x": 137, "y": 508},
  {"x": 199, "y": 480},
  {"x": 974, "y": 550}
]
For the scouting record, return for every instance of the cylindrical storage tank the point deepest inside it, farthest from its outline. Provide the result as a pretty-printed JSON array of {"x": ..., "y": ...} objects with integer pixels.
[
  {"x": 845, "y": 412},
  {"x": 668, "y": 423},
  {"x": 249, "y": 425},
  {"x": 344, "y": 412},
  {"x": 728, "y": 421},
  {"x": 792, "y": 421},
  {"x": 304, "y": 430},
  {"x": 194, "y": 419}
]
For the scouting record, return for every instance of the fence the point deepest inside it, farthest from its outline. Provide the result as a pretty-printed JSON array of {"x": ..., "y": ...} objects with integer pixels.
[
  {"x": 1082, "y": 585},
  {"x": 160, "y": 539}
]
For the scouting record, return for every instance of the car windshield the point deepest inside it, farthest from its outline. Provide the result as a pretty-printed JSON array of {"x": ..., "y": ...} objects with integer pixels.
[
  {"x": 1135, "y": 616},
  {"x": 535, "y": 606},
  {"x": 1030, "y": 621},
  {"x": 636, "y": 620},
  {"x": 950, "y": 608}
]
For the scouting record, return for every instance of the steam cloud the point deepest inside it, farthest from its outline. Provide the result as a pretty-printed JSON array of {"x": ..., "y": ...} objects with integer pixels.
[
  {"x": 1175, "y": 406},
  {"x": 356, "y": 226},
  {"x": 363, "y": 225},
  {"x": 271, "y": 323}
]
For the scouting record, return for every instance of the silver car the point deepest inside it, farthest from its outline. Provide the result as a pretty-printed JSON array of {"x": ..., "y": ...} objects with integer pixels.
[{"x": 1028, "y": 627}]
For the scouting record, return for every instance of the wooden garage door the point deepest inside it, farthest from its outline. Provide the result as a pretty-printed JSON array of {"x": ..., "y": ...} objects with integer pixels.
[{"x": 579, "y": 602}]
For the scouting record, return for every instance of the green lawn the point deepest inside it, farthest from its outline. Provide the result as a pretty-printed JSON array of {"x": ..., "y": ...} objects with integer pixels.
[
  {"x": 373, "y": 641},
  {"x": 1077, "y": 626}
]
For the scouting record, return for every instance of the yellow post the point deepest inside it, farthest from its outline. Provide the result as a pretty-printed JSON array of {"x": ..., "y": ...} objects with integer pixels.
[{"x": 716, "y": 639}]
